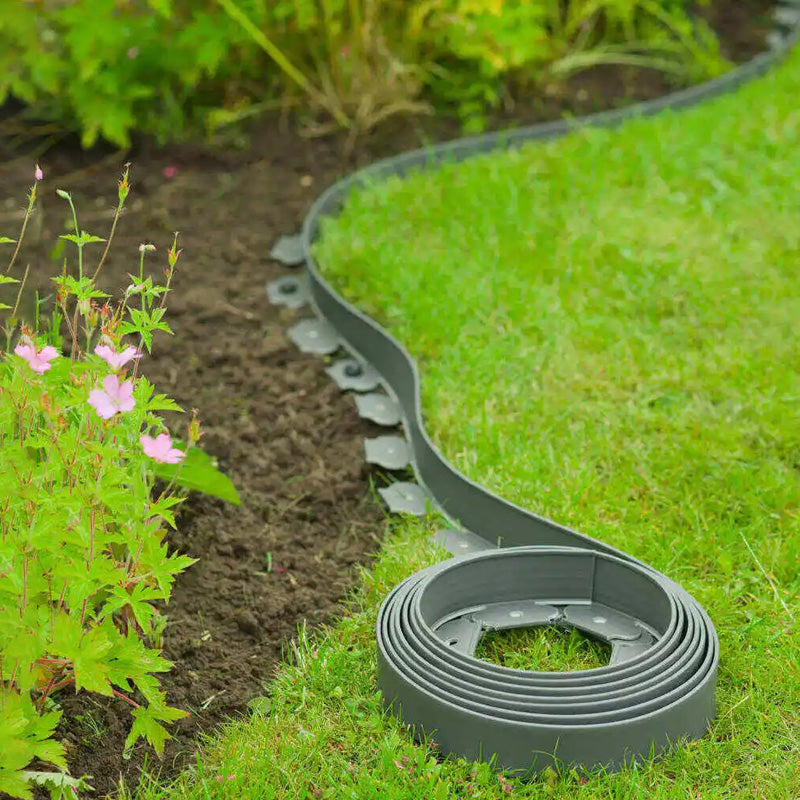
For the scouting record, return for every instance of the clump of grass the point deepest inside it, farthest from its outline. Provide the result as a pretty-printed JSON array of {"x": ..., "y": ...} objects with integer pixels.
[{"x": 544, "y": 649}]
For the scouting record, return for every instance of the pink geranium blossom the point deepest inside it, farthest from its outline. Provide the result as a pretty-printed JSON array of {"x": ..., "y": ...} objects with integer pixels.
[
  {"x": 39, "y": 360},
  {"x": 116, "y": 360},
  {"x": 161, "y": 449},
  {"x": 113, "y": 397}
]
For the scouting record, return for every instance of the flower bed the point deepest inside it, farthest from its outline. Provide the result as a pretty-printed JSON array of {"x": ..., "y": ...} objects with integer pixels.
[{"x": 277, "y": 425}]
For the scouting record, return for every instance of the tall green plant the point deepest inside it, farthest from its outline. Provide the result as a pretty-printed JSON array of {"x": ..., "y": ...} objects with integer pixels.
[
  {"x": 171, "y": 68},
  {"x": 486, "y": 47},
  {"x": 84, "y": 565},
  {"x": 351, "y": 59}
]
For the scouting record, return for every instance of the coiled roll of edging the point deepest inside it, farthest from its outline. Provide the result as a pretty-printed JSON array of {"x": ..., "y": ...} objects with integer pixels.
[{"x": 659, "y": 686}]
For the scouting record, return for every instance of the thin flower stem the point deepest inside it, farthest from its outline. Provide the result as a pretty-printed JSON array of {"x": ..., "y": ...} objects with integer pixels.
[
  {"x": 52, "y": 687},
  {"x": 19, "y": 293},
  {"x": 28, "y": 212},
  {"x": 13, "y": 676},
  {"x": 74, "y": 327},
  {"x": 175, "y": 476},
  {"x": 77, "y": 233},
  {"x": 120, "y": 206},
  {"x": 125, "y": 698},
  {"x": 24, "y": 586}
]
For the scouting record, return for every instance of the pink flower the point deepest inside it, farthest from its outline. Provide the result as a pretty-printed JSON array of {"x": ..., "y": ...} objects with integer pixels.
[
  {"x": 38, "y": 174},
  {"x": 504, "y": 784},
  {"x": 113, "y": 397},
  {"x": 161, "y": 449},
  {"x": 116, "y": 360},
  {"x": 39, "y": 361},
  {"x": 132, "y": 52},
  {"x": 170, "y": 172}
]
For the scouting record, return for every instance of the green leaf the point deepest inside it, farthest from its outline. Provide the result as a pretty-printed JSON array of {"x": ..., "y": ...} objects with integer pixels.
[
  {"x": 164, "y": 572},
  {"x": 6, "y": 240},
  {"x": 84, "y": 238},
  {"x": 260, "y": 705},
  {"x": 24, "y": 736},
  {"x": 199, "y": 471},
  {"x": 87, "y": 651},
  {"x": 59, "y": 784},
  {"x": 163, "y": 403},
  {"x": 147, "y": 724},
  {"x": 139, "y": 601},
  {"x": 14, "y": 784}
]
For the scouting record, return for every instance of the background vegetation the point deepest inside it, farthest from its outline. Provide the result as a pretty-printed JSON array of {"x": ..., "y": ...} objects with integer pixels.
[{"x": 173, "y": 68}]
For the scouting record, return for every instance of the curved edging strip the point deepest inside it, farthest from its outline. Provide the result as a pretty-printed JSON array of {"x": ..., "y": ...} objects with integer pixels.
[{"x": 518, "y": 569}]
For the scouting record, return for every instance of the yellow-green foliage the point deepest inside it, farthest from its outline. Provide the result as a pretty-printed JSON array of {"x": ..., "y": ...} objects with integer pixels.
[{"x": 171, "y": 67}]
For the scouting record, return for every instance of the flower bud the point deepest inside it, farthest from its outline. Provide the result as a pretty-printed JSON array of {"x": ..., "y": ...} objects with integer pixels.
[
  {"x": 173, "y": 253},
  {"x": 124, "y": 186},
  {"x": 194, "y": 428}
]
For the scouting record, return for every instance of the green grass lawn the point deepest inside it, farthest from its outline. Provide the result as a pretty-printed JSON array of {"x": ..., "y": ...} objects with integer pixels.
[{"x": 607, "y": 331}]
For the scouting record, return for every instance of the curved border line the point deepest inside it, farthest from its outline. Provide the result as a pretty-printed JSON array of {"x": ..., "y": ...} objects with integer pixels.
[
  {"x": 498, "y": 521},
  {"x": 371, "y": 343}
]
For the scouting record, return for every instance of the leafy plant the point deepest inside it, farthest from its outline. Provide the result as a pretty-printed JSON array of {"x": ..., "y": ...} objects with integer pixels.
[
  {"x": 83, "y": 562},
  {"x": 106, "y": 67},
  {"x": 171, "y": 68},
  {"x": 353, "y": 60},
  {"x": 486, "y": 47}
]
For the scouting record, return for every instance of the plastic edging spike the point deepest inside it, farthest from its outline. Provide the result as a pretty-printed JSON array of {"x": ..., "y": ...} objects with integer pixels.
[
  {"x": 314, "y": 336},
  {"x": 353, "y": 375},
  {"x": 288, "y": 250},
  {"x": 290, "y": 291},
  {"x": 390, "y": 452},
  {"x": 404, "y": 497},
  {"x": 379, "y": 408}
]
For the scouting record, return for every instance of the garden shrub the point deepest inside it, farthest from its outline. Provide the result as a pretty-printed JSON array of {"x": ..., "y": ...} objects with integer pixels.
[
  {"x": 172, "y": 67},
  {"x": 486, "y": 47},
  {"x": 84, "y": 566}
]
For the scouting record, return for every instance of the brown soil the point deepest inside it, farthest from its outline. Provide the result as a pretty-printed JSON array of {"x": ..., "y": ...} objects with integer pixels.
[
  {"x": 289, "y": 440},
  {"x": 286, "y": 436}
]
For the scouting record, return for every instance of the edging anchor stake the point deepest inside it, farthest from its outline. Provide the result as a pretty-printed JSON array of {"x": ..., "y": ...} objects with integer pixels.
[{"x": 353, "y": 370}]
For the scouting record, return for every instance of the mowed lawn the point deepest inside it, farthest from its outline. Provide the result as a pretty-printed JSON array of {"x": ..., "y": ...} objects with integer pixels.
[{"x": 607, "y": 330}]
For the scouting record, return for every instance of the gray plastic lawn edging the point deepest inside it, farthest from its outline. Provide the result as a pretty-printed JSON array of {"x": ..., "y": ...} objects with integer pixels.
[{"x": 511, "y": 568}]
